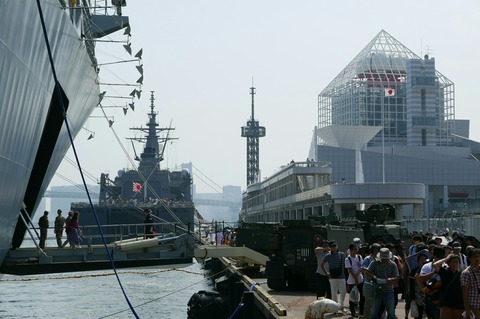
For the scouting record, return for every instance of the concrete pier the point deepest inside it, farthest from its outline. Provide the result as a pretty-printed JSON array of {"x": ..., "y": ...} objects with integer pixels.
[{"x": 271, "y": 303}]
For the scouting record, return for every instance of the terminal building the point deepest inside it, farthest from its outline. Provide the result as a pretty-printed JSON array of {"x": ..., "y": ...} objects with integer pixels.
[
  {"x": 387, "y": 124},
  {"x": 386, "y": 134}
]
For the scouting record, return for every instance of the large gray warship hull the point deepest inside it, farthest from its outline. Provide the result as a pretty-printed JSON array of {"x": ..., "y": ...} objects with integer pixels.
[{"x": 34, "y": 137}]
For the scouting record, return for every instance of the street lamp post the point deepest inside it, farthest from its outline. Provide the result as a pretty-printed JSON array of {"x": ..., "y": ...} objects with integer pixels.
[
  {"x": 383, "y": 139},
  {"x": 454, "y": 212}
]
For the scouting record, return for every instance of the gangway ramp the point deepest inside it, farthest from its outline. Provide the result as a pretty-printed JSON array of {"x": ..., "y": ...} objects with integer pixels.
[
  {"x": 244, "y": 254},
  {"x": 136, "y": 252}
]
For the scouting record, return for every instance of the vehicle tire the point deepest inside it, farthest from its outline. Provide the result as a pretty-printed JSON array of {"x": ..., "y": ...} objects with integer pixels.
[{"x": 277, "y": 284}]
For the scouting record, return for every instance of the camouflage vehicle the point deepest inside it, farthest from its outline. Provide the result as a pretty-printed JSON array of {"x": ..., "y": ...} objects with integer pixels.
[
  {"x": 290, "y": 245},
  {"x": 294, "y": 263}
]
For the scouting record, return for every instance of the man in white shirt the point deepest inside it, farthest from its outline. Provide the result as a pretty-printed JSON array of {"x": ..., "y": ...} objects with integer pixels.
[{"x": 353, "y": 264}]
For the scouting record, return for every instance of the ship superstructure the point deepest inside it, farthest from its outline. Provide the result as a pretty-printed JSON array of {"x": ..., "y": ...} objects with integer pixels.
[{"x": 167, "y": 193}]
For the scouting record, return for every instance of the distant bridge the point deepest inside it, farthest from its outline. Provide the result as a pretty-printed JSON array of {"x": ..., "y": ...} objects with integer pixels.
[
  {"x": 198, "y": 202},
  {"x": 217, "y": 202},
  {"x": 73, "y": 195}
]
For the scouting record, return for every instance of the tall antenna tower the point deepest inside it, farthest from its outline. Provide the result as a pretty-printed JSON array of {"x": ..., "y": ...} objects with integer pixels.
[{"x": 253, "y": 131}]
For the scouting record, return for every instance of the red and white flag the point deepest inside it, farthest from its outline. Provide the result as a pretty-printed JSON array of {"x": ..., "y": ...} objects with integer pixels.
[
  {"x": 137, "y": 187},
  {"x": 389, "y": 92}
]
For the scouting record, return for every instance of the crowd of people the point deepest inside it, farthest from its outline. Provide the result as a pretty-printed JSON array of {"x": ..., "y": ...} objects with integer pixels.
[
  {"x": 74, "y": 231},
  {"x": 149, "y": 202},
  {"x": 435, "y": 278},
  {"x": 225, "y": 236},
  {"x": 70, "y": 224}
]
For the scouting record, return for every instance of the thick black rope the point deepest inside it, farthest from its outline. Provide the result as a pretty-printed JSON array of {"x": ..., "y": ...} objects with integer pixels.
[{"x": 57, "y": 85}]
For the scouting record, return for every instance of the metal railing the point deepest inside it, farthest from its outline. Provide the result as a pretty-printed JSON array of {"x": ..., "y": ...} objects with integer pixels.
[{"x": 91, "y": 234}]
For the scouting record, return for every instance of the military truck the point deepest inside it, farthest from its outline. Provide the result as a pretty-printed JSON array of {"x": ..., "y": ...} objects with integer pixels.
[
  {"x": 378, "y": 223},
  {"x": 261, "y": 237},
  {"x": 290, "y": 245},
  {"x": 294, "y": 263}
]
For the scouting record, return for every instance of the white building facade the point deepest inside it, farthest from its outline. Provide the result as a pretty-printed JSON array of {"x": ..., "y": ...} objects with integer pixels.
[{"x": 418, "y": 141}]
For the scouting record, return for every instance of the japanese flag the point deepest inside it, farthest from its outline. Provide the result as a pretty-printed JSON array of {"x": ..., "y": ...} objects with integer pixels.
[
  {"x": 137, "y": 187},
  {"x": 389, "y": 92}
]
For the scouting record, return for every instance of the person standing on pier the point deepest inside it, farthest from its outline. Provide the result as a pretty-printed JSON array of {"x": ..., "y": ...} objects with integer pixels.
[
  {"x": 59, "y": 222},
  {"x": 74, "y": 233},
  {"x": 67, "y": 220},
  {"x": 353, "y": 264},
  {"x": 428, "y": 273},
  {"x": 470, "y": 281},
  {"x": 219, "y": 237},
  {"x": 372, "y": 250},
  {"x": 323, "y": 284},
  {"x": 44, "y": 224},
  {"x": 451, "y": 297},
  {"x": 384, "y": 272},
  {"x": 149, "y": 228},
  {"x": 336, "y": 273}
]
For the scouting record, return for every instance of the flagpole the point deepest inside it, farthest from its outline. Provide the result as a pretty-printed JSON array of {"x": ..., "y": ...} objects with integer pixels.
[
  {"x": 145, "y": 191},
  {"x": 383, "y": 139},
  {"x": 387, "y": 92}
]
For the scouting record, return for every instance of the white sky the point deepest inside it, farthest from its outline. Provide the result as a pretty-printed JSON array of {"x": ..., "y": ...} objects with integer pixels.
[{"x": 200, "y": 57}]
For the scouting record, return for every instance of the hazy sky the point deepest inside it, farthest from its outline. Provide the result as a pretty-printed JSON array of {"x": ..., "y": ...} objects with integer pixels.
[{"x": 200, "y": 57}]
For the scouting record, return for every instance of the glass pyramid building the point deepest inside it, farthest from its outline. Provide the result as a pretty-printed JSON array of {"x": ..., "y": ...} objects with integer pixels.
[{"x": 387, "y": 85}]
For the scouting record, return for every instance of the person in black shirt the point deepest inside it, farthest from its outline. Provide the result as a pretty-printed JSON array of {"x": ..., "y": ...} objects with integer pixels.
[
  {"x": 451, "y": 298},
  {"x": 44, "y": 224},
  {"x": 149, "y": 228}
]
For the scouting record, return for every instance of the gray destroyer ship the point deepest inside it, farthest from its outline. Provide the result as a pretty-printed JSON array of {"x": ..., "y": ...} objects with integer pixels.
[{"x": 168, "y": 194}]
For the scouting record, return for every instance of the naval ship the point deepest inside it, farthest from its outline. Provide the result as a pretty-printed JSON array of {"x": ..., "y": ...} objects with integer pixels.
[
  {"x": 124, "y": 198},
  {"x": 49, "y": 78}
]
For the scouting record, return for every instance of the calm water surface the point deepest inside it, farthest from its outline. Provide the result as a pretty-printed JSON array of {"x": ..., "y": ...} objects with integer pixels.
[{"x": 154, "y": 293}]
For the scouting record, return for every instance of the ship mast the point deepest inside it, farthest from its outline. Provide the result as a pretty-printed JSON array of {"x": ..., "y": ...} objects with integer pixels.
[{"x": 152, "y": 155}]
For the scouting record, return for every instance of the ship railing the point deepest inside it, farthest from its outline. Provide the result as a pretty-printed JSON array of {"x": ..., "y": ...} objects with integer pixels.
[
  {"x": 118, "y": 232},
  {"x": 139, "y": 205},
  {"x": 114, "y": 232}
]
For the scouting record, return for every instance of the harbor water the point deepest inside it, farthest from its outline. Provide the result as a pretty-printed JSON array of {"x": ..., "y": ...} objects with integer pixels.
[{"x": 153, "y": 292}]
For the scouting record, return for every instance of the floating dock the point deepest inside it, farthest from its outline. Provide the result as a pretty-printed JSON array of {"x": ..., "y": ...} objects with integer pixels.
[{"x": 136, "y": 252}]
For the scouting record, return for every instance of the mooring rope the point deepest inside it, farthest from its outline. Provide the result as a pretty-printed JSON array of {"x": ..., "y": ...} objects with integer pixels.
[
  {"x": 169, "y": 294},
  {"x": 88, "y": 275},
  {"x": 60, "y": 100}
]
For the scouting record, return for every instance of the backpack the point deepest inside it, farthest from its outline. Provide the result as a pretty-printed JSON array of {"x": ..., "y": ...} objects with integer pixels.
[{"x": 432, "y": 290}]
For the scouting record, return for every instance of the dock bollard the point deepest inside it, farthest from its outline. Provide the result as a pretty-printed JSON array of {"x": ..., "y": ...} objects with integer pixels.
[
  {"x": 248, "y": 309},
  {"x": 232, "y": 301},
  {"x": 239, "y": 289}
]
